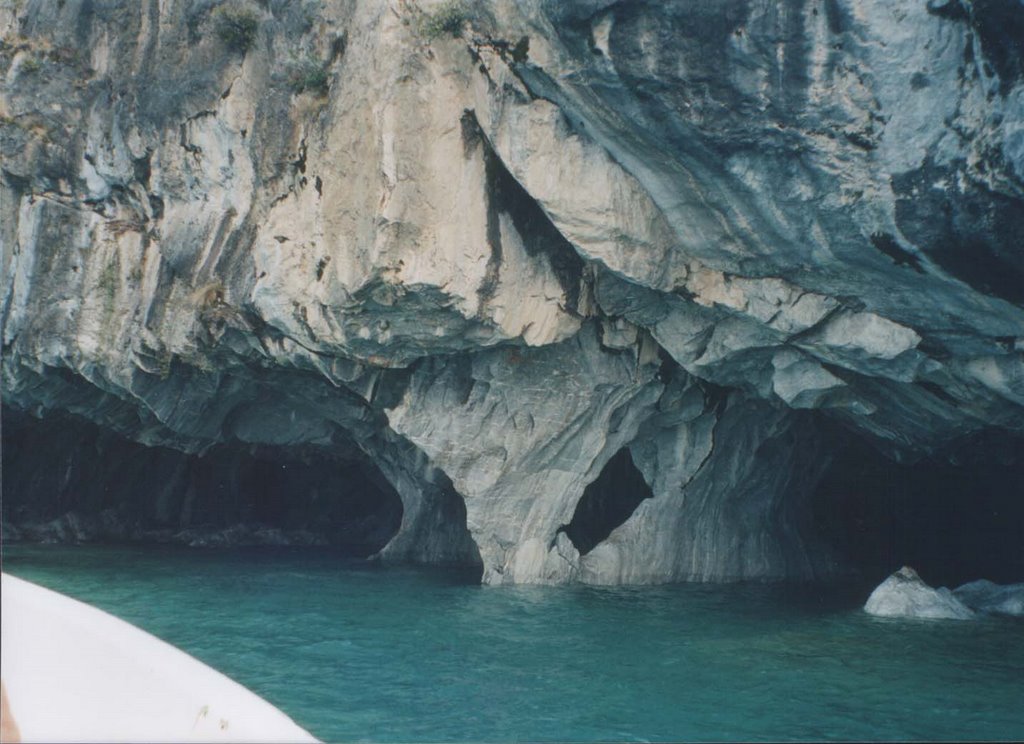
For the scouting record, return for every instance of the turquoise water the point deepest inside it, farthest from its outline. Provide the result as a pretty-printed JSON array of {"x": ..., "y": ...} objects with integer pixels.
[{"x": 356, "y": 653}]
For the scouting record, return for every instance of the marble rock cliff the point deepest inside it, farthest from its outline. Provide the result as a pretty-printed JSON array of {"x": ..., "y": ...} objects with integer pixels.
[{"x": 596, "y": 290}]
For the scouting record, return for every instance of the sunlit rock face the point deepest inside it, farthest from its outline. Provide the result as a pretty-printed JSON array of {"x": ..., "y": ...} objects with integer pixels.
[{"x": 526, "y": 267}]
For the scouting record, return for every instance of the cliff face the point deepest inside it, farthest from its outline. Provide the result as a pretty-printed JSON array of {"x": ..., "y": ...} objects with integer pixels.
[{"x": 584, "y": 280}]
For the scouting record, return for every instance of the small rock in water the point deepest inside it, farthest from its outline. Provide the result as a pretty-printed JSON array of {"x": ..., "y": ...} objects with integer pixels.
[
  {"x": 985, "y": 596},
  {"x": 904, "y": 594}
]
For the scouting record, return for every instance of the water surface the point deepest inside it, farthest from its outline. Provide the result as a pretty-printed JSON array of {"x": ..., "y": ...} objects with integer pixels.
[{"x": 355, "y": 653}]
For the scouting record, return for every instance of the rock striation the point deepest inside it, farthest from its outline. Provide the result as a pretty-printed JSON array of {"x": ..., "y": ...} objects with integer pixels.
[{"x": 522, "y": 257}]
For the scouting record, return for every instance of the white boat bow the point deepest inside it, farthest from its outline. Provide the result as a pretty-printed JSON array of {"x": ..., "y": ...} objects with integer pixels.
[{"x": 75, "y": 673}]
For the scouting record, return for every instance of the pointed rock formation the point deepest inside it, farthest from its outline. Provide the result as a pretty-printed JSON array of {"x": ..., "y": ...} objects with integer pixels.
[{"x": 904, "y": 594}]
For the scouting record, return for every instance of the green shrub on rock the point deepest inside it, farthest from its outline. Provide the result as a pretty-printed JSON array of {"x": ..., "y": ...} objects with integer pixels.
[
  {"x": 30, "y": 65},
  {"x": 448, "y": 19},
  {"x": 308, "y": 76},
  {"x": 236, "y": 26}
]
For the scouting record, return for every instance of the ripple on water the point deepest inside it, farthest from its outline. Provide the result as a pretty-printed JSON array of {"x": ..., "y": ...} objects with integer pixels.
[{"x": 358, "y": 653}]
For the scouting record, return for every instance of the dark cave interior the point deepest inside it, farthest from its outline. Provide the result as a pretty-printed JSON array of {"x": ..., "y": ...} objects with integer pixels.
[
  {"x": 954, "y": 517},
  {"x": 121, "y": 490},
  {"x": 607, "y": 502}
]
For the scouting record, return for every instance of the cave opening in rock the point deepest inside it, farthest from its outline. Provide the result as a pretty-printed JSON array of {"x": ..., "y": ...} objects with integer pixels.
[
  {"x": 955, "y": 517},
  {"x": 65, "y": 479},
  {"x": 607, "y": 502}
]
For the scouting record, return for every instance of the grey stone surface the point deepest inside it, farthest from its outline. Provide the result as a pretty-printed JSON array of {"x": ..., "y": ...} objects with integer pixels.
[
  {"x": 985, "y": 596},
  {"x": 905, "y": 595},
  {"x": 490, "y": 262}
]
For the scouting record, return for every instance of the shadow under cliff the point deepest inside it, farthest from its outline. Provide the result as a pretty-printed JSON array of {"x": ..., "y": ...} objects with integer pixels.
[
  {"x": 67, "y": 480},
  {"x": 955, "y": 516}
]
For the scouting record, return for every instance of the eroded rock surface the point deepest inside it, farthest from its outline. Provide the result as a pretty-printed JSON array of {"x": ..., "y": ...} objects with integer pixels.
[
  {"x": 494, "y": 262},
  {"x": 985, "y": 596}
]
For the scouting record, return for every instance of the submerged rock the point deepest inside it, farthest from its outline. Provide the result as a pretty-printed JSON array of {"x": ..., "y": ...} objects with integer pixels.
[
  {"x": 985, "y": 596},
  {"x": 108, "y": 526},
  {"x": 904, "y": 594},
  {"x": 246, "y": 535}
]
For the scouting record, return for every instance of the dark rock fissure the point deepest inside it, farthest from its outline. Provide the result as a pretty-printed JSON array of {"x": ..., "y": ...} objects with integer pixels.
[
  {"x": 68, "y": 480},
  {"x": 887, "y": 244},
  {"x": 540, "y": 237},
  {"x": 607, "y": 502}
]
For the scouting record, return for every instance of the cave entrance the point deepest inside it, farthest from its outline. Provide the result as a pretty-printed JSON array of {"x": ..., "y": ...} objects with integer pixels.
[
  {"x": 66, "y": 479},
  {"x": 607, "y": 502},
  {"x": 954, "y": 518}
]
